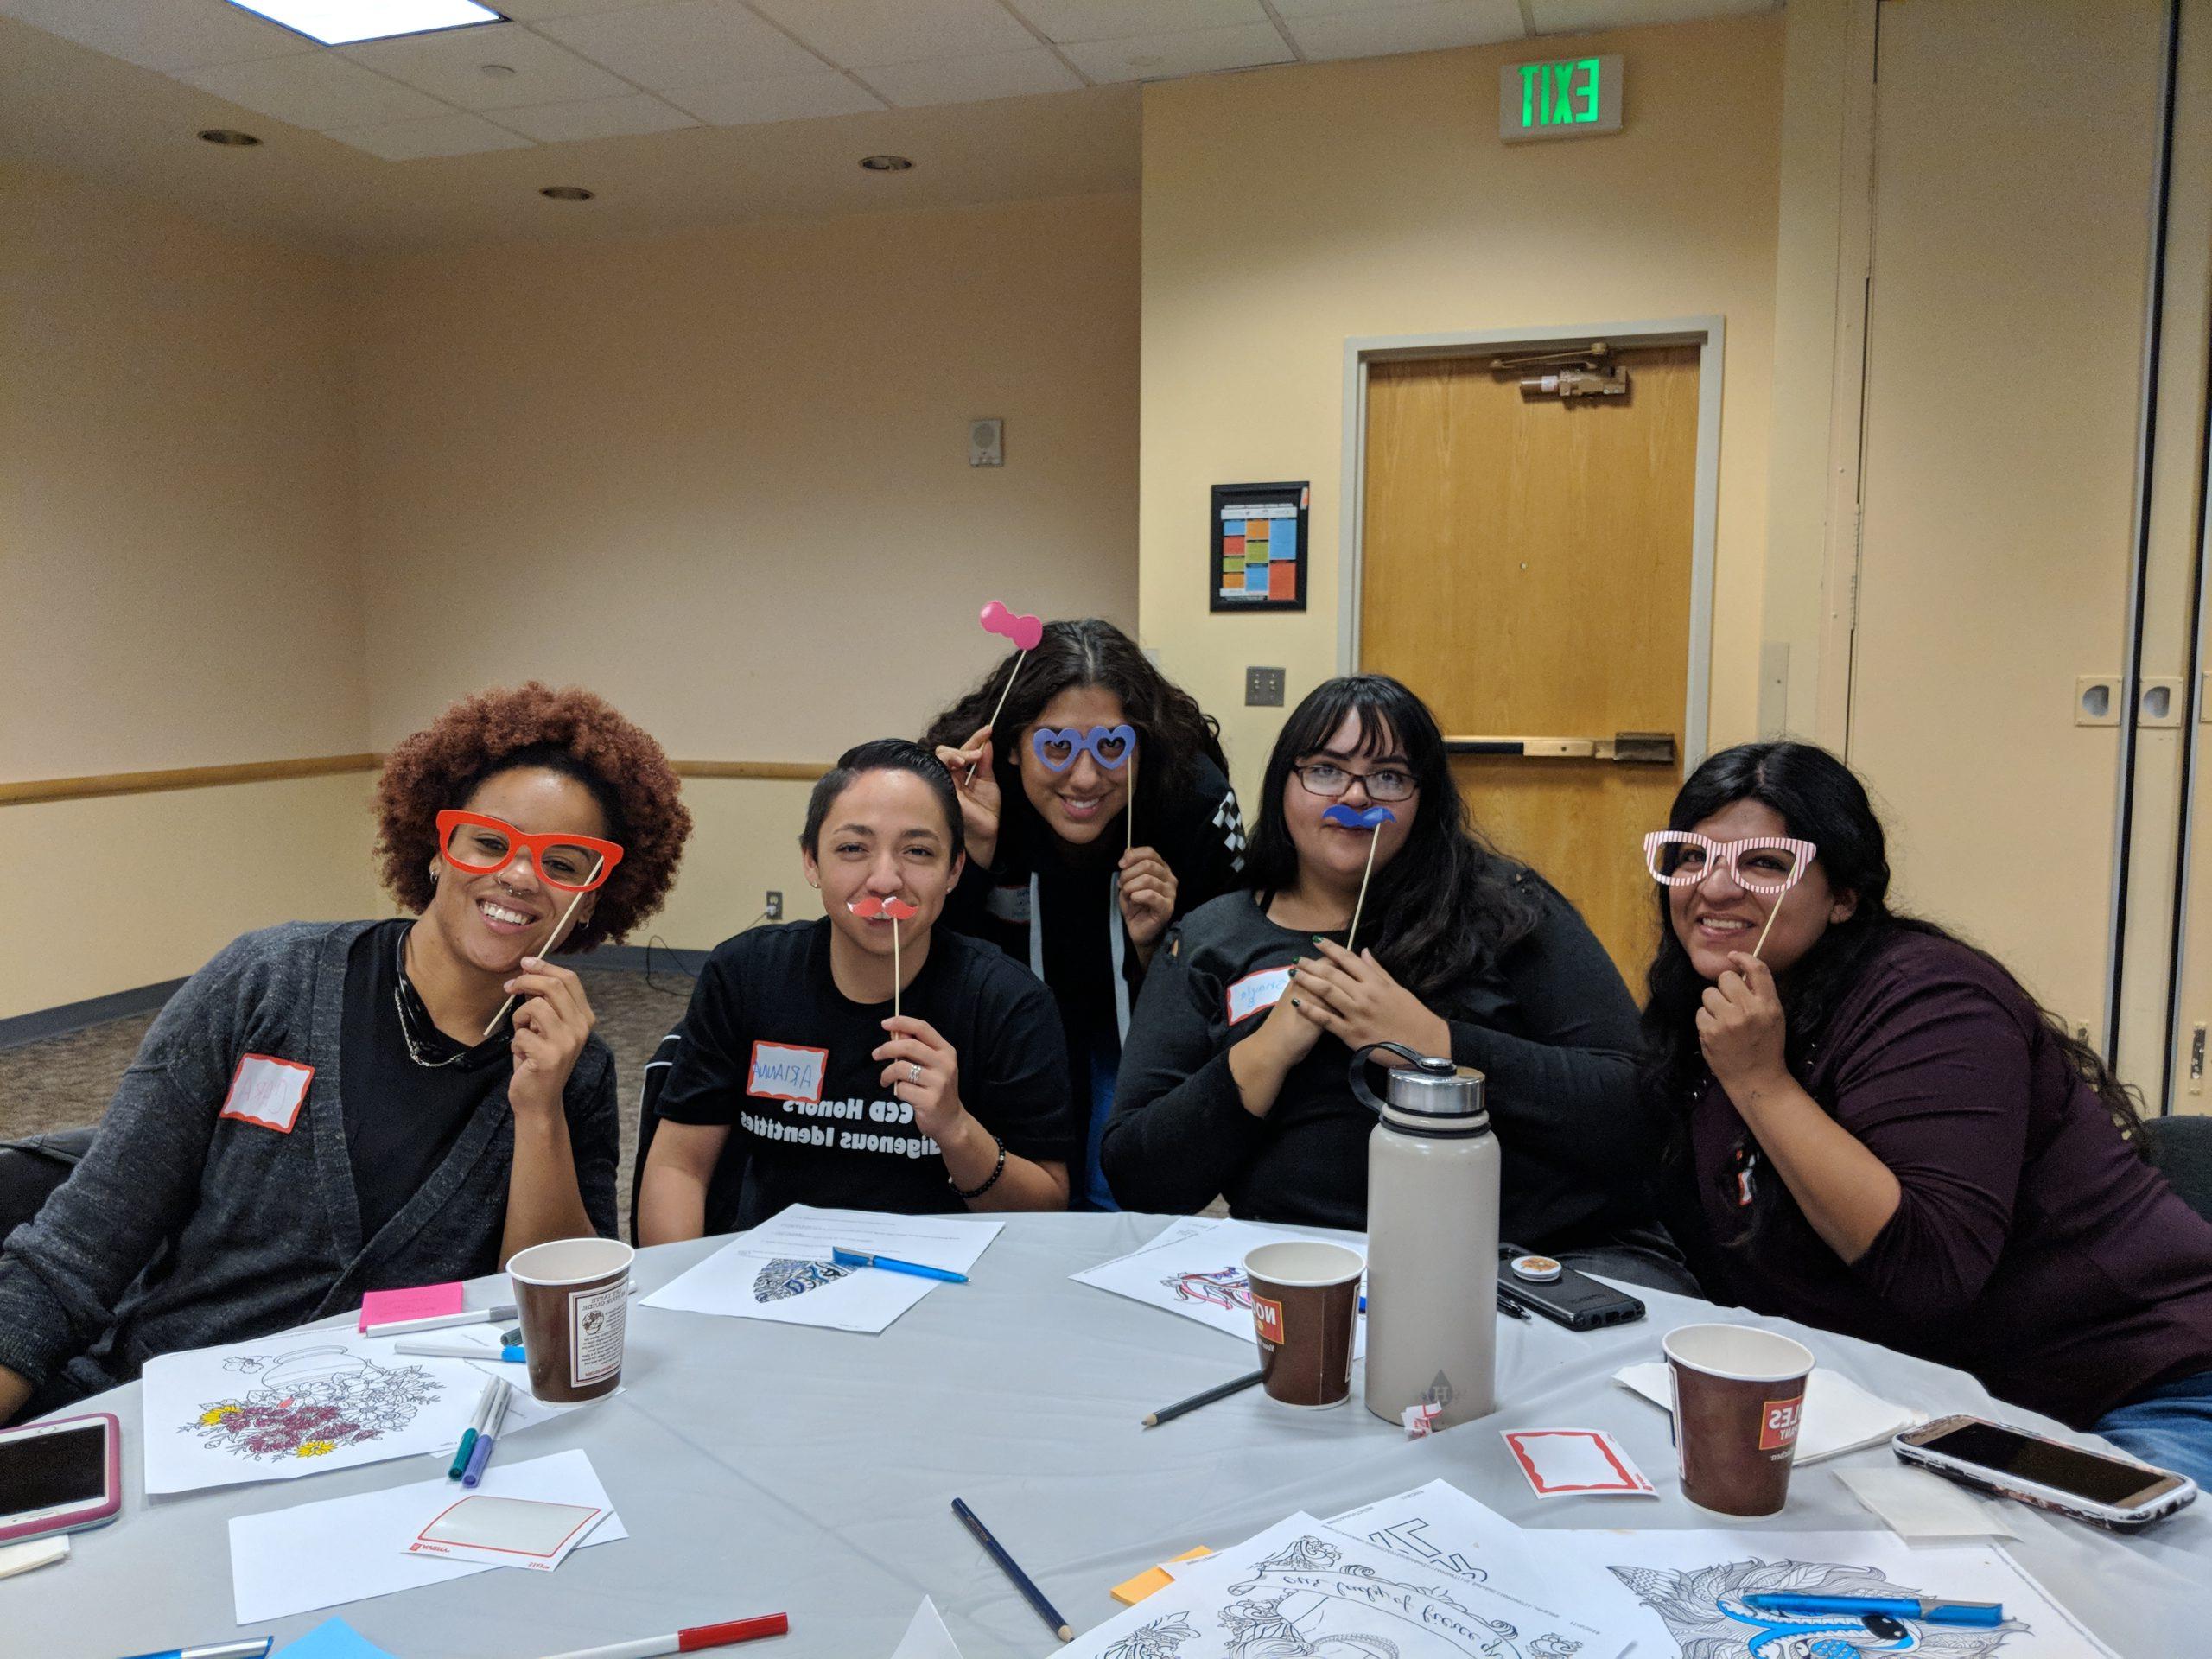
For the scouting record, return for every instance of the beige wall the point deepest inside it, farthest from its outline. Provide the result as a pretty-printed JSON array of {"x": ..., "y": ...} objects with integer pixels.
[
  {"x": 723, "y": 478},
  {"x": 1287, "y": 210}
]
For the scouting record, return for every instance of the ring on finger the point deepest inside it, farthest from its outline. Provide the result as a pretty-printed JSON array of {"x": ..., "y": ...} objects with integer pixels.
[{"x": 913, "y": 1072}]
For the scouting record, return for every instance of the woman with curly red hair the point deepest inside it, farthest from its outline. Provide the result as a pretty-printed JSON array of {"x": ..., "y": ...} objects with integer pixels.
[{"x": 327, "y": 1109}]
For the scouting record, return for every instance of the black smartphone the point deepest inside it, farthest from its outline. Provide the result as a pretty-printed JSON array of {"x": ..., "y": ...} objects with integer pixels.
[{"x": 1558, "y": 1292}]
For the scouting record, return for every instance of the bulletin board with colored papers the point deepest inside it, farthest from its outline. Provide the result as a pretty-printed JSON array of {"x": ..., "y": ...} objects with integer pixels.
[{"x": 1259, "y": 547}]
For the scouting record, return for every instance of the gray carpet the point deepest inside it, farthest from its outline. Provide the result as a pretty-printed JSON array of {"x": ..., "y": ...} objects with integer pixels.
[{"x": 62, "y": 1083}]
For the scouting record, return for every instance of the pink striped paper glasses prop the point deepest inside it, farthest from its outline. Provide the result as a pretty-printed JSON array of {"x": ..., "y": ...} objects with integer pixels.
[{"x": 1761, "y": 864}]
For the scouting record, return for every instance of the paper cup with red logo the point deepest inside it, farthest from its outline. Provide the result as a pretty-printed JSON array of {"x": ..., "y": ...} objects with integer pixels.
[
  {"x": 1740, "y": 1399},
  {"x": 1305, "y": 1306},
  {"x": 573, "y": 1296}
]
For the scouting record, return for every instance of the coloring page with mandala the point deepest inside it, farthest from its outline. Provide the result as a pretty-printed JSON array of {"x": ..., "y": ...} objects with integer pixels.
[
  {"x": 278, "y": 1408},
  {"x": 781, "y": 1270},
  {"x": 1687, "y": 1589},
  {"x": 1196, "y": 1267},
  {"x": 1301, "y": 1590}
]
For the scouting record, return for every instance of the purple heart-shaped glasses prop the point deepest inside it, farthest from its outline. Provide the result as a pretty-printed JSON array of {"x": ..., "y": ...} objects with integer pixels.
[
  {"x": 1374, "y": 818},
  {"x": 1109, "y": 745}
]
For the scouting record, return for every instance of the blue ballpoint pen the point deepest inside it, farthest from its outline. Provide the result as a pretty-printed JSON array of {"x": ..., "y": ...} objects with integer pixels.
[
  {"x": 1983, "y": 1613},
  {"x": 845, "y": 1258},
  {"x": 253, "y": 1648}
]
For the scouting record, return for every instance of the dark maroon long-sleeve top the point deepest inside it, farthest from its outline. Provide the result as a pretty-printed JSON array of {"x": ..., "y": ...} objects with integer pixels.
[{"x": 2031, "y": 1245}]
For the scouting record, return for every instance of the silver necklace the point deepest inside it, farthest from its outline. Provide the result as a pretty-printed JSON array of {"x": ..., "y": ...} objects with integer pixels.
[{"x": 416, "y": 1048}]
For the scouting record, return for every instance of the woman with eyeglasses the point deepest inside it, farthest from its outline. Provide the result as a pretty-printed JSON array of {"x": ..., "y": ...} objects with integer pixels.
[
  {"x": 1878, "y": 1130},
  {"x": 1097, "y": 810},
  {"x": 327, "y": 1109},
  {"x": 1235, "y": 1078}
]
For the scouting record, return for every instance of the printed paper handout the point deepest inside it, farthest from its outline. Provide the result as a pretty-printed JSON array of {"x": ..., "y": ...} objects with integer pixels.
[
  {"x": 1303, "y": 1588},
  {"x": 1196, "y": 1267},
  {"x": 294, "y": 1561},
  {"x": 781, "y": 1270},
  {"x": 298, "y": 1403}
]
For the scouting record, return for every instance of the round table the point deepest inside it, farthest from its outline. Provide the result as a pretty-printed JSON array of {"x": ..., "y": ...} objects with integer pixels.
[{"x": 762, "y": 1467}]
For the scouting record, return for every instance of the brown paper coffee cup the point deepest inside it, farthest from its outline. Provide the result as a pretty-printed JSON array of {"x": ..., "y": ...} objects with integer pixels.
[
  {"x": 1739, "y": 1399},
  {"x": 1305, "y": 1306},
  {"x": 573, "y": 1296}
]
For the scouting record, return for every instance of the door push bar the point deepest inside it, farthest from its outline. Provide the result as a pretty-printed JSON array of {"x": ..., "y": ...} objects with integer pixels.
[{"x": 1629, "y": 748}]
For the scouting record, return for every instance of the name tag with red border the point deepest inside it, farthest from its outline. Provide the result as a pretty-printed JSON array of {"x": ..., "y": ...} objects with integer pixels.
[
  {"x": 268, "y": 1092},
  {"x": 786, "y": 1072},
  {"x": 1256, "y": 991}
]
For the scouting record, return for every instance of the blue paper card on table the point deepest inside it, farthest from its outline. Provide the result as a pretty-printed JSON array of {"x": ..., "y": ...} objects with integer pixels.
[{"x": 332, "y": 1639}]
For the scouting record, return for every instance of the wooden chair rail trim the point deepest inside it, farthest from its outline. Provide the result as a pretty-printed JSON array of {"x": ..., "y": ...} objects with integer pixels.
[{"x": 101, "y": 785}]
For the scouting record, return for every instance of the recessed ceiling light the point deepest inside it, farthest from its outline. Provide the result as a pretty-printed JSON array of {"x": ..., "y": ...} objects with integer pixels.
[
  {"x": 228, "y": 136},
  {"x": 886, "y": 164},
  {"x": 341, "y": 22},
  {"x": 566, "y": 193}
]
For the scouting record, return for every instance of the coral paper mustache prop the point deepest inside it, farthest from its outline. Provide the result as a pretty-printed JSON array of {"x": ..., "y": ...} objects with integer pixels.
[
  {"x": 1373, "y": 819},
  {"x": 870, "y": 908},
  {"x": 1024, "y": 632}
]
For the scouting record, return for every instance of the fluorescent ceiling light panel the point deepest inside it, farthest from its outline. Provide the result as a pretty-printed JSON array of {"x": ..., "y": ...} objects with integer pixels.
[{"x": 342, "y": 23}]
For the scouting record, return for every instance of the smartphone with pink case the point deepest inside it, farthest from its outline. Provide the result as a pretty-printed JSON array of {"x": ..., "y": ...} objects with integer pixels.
[{"x": 62, "y": 1476}]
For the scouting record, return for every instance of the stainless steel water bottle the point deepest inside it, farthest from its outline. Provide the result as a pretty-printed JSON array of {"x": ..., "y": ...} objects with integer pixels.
[{"x": 1432, "y": 1241}]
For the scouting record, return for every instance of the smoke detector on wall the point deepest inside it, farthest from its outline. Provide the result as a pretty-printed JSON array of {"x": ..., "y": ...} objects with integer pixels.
[{"x": 986, "y": 443}]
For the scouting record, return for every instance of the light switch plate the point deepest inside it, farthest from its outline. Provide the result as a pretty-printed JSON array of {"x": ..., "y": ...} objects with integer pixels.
[{"x": 1263, "y": 688}]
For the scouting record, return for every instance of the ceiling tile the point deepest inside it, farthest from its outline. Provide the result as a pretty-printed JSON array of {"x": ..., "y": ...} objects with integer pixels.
[
  {"x": 1112, "y": 19},
  {"x": 1157, "y": 57},
  {"x": 1323, "y": 8},
  {"x": 859, "y": 34},
  {"x": 415, "y": 141},
  {"x": 1406, "y": 29},
  {"x": 1578, "y": 16},
  {"x": 785, "y": 98},
  {"x": 531, "y": 11},
  {"x": 685, "y": 44},
  {"x": 314, "y": 89},
  {"x": 450, "y": 65},
  {"x": 973, "y": 81},
  {"x": 598, "y": 117},
  {"x": 167, "y": 35}
]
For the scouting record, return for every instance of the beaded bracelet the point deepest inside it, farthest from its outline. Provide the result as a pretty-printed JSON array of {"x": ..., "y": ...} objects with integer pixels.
[{"x": 965, "y": 1195}]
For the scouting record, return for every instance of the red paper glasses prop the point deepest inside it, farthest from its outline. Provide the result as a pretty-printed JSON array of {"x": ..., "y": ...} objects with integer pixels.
[
  {"x": 869, "y": 907},
  {"x": 1760, "y": 864},
  {"x": 483, "y": 846}
]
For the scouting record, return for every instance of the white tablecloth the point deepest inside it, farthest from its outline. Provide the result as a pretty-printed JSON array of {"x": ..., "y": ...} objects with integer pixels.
[{"x": 770, "y": 1467}]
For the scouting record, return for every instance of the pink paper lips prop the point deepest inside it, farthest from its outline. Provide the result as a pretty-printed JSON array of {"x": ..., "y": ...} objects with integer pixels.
[{"x": 1025, "y": 632}]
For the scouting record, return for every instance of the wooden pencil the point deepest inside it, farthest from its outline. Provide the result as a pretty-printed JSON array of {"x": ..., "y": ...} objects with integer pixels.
[
  {"x": 1045, "y": 1610},
  {"x": 1220, "y": 1391}
]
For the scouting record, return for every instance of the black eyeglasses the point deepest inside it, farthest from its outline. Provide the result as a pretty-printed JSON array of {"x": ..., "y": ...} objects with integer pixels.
[{"x": 1329, "y": 781}]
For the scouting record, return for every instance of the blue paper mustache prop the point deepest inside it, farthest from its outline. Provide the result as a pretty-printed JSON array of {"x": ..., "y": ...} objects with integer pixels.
[{"x": 1374, "y": 818}]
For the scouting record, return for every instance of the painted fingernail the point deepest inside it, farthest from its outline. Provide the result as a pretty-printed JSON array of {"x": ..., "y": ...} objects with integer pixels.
[
  {"x": 1295, "y": 1003},
  {"x": 1316, "y": 938}
]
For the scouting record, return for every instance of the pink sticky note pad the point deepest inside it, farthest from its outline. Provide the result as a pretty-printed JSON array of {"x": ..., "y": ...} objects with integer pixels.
[
  {"x": 1576, "y": 1463},
  {"x": 420, "y": 1302}
]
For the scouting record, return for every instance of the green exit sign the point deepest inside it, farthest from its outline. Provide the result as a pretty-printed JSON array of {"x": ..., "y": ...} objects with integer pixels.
[{"x": 1568, "y": 98}]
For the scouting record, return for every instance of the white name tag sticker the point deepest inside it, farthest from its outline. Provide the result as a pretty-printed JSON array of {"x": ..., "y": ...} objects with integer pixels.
[
  {"x": 1263, "y": 989},
  {"x": 268, "y": 1092},
  {"x": 783, "y": 1071}
]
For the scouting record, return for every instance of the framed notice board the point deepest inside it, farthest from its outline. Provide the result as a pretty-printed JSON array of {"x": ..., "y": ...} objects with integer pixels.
[{"x": 1258, "y": 560}]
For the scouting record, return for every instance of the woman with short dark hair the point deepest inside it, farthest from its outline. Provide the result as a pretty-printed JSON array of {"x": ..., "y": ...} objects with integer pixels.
[{"x": 1878, "y": 1130}]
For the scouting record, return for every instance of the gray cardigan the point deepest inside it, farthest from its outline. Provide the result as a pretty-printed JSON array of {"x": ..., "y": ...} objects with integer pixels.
[{"x": 182, "y": 1228}]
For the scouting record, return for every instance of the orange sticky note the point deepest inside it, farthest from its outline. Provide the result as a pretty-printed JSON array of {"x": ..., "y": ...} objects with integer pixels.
[{"x": 1152, "y": 1581}]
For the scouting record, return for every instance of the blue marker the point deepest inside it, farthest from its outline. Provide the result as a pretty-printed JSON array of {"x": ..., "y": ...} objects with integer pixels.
[
  {"x": 481, "y": 1455},
  {"x": 1985, "y": 1614},
  {"x": 512, "y": 1353},
  {"x": 845, "y": 1258}
]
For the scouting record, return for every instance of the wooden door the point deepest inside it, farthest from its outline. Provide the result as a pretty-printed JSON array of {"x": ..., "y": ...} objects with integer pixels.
[{"x": 1526, "y": 569}]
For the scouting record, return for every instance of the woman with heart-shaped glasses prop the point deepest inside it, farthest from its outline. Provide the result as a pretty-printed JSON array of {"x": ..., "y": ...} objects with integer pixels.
[
  {"x": 1097, "y": 808},
  {"x": 1877, "y": 1129},
  {"x": 334, "y": 1107},
  {"x": 872, "y": 1059},
  {"x": 1373, "y": 912}
]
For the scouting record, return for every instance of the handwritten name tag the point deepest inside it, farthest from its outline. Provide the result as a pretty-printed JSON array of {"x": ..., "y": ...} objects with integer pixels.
[
  {"x": 1254, "y": 992},
  {"x": 781, "y": 1072},
  {"x": 267, "y": 1092}
]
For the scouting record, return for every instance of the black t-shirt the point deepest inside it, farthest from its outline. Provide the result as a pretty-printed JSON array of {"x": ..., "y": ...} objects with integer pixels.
[
  {"x": 403, "y": 1118},
  {"x": 772, "y": 1048}
]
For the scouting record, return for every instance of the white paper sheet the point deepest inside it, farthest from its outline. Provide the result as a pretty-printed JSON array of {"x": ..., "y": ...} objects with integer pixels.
[
  {"x": 1196, "y": 1267},
  {"x": 294, "y": 1561},
  {"x": 1918, "y": 1505},
  {"x": 1301, "y": 1587},
  {"x": 299, "y": 1403},
  {"x": 781, "y": 1270},
  {"x": 1685, "y": 1590},
  {"x": 1513, "y": 1576},
  {"x": 1839, "y": 1415},
  {"x": 926, "y": 1638}
]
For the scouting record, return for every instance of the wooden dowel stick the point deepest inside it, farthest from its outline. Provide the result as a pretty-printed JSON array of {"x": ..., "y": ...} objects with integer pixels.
[
  {"x": 1768, "y": 928},
  {"x": 559, "y": 928},
  {"x": 897, "y": 975},
  {"x": 993, "y": 723},
  {"x": 1351, "y": 939}
]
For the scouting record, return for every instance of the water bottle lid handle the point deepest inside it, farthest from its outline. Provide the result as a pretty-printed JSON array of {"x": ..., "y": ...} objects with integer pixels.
[{"x": 1358, "y": 1073}]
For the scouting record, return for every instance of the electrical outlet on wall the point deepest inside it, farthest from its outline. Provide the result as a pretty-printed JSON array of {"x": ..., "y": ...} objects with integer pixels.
[{"x": 774, "y": 906}]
